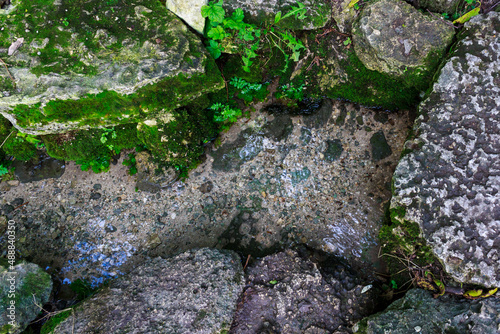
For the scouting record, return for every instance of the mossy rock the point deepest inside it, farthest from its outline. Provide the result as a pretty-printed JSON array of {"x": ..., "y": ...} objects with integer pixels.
[
  {"x": 86, "y": 64},
  {"x": 31, "y": 284},
  {"x": 177, "y": 138}
]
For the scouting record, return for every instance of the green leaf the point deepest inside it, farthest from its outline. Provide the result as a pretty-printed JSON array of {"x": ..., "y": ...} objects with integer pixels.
[
  {"x": 214, "y": 12},
  {"x": 277, "y": 18},
  {"x": 273, "y": 282},
  {"x": 3, "y": 170},
  {"x": 295, "y": 56},
  {"x": 238, "y": 15},
  {"x": 216, "y": 33},
  {"x": 215, "y": 49}
]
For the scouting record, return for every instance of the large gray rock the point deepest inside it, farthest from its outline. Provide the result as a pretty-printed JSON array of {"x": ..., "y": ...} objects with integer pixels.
[
  {"x": 289, "y": 294},
  {"x": 450, "y": 183},
  {"x": 440, "y": 6},
  {"x": 194, "y": 292},
  {"x": 189, "y": 11},
  {"x": 97, "y": 64},
  {"x": 21, "y": 287},
  {"x": 393, "y": 37},
  {"x": 264, "y": 11},
  {"x": 418, "y": 312}
]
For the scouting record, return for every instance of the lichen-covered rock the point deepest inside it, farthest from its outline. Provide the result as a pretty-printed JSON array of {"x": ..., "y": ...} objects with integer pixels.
[
  {"x": 344, "y": 15},
  {"x": 189, "y": 11},
  {"x": 440, "y": 6},
  {"x": 450, "y": 183},
  {"x": 264, "y": 11},
  {"x": 393, "y": 37},
  {"x": 79, "y": 64},
  {"x": 22, "y": 286},
  {"x": 289, "y": 294},
  {"x": 194, "y": 292},
  {"x": 418, "y": 312}
]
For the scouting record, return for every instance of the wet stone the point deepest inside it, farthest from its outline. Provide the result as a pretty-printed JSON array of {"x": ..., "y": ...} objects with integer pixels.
[
  {"x": 380, "y": 147},
  {"x": 333, "y": 150},
  {"x": 40, "y": 168}
]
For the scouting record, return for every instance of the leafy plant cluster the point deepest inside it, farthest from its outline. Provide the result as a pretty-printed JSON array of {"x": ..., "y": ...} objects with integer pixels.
[
  {"x": 248, "y": 91},
  {"x": 131, "y": 163},
  {"x": 233, "y": 34},
  {"x": 290, "y": 91},
  {"x": 225, "y": 114}
]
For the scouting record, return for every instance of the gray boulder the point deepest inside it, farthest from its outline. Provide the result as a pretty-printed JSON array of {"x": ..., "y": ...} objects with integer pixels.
[
  {"x": 263, "y": 12},
  {"x": 189, "y": 11},
  {"x": 394, "y": 38},
  {"x": 440, "y": 6},
  {"x": 418, "y": 312},
  {"x": 450, "y": 183},
  {"x": 99, "y": 65},
  {"x": 289, "y": 294},
  {"x": 21, "y": 287},
  {"x": 194, "y": 292}
]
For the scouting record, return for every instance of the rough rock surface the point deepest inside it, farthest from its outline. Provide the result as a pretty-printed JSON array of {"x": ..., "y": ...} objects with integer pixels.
[
  {"x": 419, "y": 312},
  {"x": 92, "y": 63},
  {"x": 394, "y": 38},
  {"x": 344, "y": 15},
  {"x": 189, "y": 11},
  {"x": 264, "y": 11},
  {"x": 439, "y": 6},
  {"x": 194, "y": 292},
  {"x": 288, "y": 294},
  {"x": 26, "y": 279},
  {"x": 274, "y": 179},
  {"x": 450, "y": 183}
]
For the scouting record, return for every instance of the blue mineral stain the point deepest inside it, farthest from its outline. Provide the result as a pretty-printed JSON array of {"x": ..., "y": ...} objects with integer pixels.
[{"x": 300, "y": 175}]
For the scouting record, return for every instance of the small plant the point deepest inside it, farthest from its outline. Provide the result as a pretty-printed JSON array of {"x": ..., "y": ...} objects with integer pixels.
[
  {"x": 347, "y": 41},
  {"x": 131, "y": 163},
  {"x": 3, "y": 170},
  {"x": 249, "y": 91},
  {"x": 98, "y": 165},
  {"x": 105, "y": 138},
  {"x": 82, "y": 288},
  {"x": 225, "y": 114},
  {"x": 291, "y": 92},
  {"x": 247, "y": 36}
]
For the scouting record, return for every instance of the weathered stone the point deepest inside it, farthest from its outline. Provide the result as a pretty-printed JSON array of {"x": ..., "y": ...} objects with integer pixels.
[
  {"x": 194, "y": 292},
  {"x": 418, "y": 312},
  {"x": 394, "y": 38},
  {"x": 439, "y": 6},
  {"x": 92, "y": 64},
  {"x": 344, "y": 15},
  {"x": 288, "y": 294},
  {"x": 450, "y": 185},
  {"x": 150, "y": 176},
  {"x": 264, "y": 11},
  {"x": 189, "y": 11},
  {"x": 22, "y": 286}
]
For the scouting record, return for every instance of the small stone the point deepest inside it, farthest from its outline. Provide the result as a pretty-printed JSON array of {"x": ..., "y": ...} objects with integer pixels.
[
  {"x": 95, "y": 196},
  {"x": 97, "y": 186},
  {"x": 13, "y": 183}
]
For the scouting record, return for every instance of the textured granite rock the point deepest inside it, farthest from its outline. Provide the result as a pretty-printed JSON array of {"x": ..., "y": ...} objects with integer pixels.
[
  {"x": 344, "y": 15},
  {"x": 264, "y": 11},
  {"x": 84, "y": 64},
  {"x": 189, "y": 11},
  {"x": 418, "y": 312},
  {"x": 194, "y": 292},
  {"x": 289, "y": 294},
  {"x": 20, "y": 287},
  {"x": 393, "y": 37},
  {"x": 450, "y": 183}
]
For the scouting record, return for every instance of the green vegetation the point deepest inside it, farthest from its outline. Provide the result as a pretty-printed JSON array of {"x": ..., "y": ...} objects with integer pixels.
[
  {"x": 21, "y": 146},
  {"x": 249, "y": 91},
  {"x": 131, "y": 163},
  {"x": 231, "y": 34},
  {"x": 49, "y": 326}
]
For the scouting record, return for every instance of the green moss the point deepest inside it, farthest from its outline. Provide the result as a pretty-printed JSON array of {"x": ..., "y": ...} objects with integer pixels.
[
  {"x": 402, "y": 238},
  {"x": 86, "y": 147},
  {"x": 178, "y": 139},
  {"x": 19, "y": 147},
  {"x": 108, "y": 108},
  {"x": 70, "y": 29},
  {"x": 49, "y": 326}
]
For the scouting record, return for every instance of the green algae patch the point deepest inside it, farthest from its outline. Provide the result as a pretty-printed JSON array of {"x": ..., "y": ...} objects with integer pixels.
[{"x": 80, "y": 64}]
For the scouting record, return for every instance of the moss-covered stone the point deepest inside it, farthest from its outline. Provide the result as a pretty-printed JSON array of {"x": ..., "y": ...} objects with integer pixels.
[
  {"x": 90, "y": 63},
  {"x": 31, "y": 285}
]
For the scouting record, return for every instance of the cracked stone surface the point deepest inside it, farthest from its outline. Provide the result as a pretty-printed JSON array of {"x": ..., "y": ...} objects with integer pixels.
[{"x": 450, "y": 186}]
